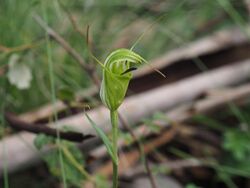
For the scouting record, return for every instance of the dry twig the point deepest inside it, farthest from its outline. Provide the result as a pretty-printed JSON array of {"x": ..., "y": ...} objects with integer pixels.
[
  {"x": 60, "y": 40},
  {"x": 18, "y": 124}
]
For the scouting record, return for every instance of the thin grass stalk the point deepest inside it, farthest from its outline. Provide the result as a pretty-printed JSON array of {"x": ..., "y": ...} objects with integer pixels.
[{"x": 53, "y": 97}]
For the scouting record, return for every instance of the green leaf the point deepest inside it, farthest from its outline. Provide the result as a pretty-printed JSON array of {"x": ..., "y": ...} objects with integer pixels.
[
  {"x": 42, "y": 140},
  {"x": 73, "y": 174},
  {"x": 127, "y": 137},
  {"x": 104, "y": 138},
  {"x": 160, "y": 169},
  {"x": 211, "y": 123},
  {"x": 237, "y": 142},
  {"x": 65, "y": 94}
]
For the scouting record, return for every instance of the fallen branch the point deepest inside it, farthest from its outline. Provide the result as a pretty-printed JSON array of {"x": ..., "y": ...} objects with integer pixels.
[
  {"x": 142, "y": 105},
  {"x": 18, "y": 124},
  {"x": 47, "y": 111},
  {"x": 218, "y": 41},
  {"x": 176, "y": 116},
  {"x": 207, "y": 45},
  {"x": 134, "y": 109}
]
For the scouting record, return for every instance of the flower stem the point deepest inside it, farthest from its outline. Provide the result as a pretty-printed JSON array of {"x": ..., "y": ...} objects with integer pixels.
[{"x": 114, "y": 122}]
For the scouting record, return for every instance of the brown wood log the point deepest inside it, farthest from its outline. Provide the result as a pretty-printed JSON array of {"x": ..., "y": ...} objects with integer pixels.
[
  {"x": 218, "y": 41},
  {"x": 21, "y": 152}
]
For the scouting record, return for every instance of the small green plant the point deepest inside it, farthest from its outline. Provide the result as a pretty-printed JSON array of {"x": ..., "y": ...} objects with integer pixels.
[
  {"x": 236, "y": 141},
  {"x": 116, "y": 76},
  {"x": 72, "y": 158}
]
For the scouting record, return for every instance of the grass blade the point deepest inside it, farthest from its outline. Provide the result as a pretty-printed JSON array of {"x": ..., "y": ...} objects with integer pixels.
[{"x": 104, "y": 138}]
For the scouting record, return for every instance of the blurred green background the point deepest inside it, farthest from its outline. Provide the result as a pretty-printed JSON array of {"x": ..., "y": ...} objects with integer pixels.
[{"x": 112, "y": 24}]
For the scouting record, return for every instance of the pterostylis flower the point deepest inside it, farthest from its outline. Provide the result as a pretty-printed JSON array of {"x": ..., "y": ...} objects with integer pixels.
[{"x": 117, "y": 75}]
